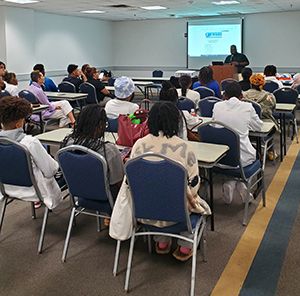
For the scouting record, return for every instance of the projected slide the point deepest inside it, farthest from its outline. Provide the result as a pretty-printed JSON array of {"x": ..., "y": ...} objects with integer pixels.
[{"x": 213, "y": 40}]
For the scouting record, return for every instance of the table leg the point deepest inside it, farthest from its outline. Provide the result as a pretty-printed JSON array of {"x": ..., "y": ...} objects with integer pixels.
[
  {"x": 284, "y": 135},
  {"x": 211, "y": 201},
  {"x": 281, "y": 136},
  {"x": 41, "y": 123}
]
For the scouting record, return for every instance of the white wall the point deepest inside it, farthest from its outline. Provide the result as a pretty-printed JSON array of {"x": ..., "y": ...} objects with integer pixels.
[
  {"x": 2, "y": 35},
  {"x": 273, "y": 38},
  {"x": 34, "y": 37},
  {"x": 154, "y": 43}
]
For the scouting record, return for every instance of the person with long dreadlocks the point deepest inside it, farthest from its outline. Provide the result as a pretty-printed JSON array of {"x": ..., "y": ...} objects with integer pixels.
[{"x": 89, "y": 132}]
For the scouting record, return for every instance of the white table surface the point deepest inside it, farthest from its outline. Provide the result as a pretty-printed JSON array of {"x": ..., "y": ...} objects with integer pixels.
[
  {"x": 39, "y": 108},
  {"x": 65, "y": 95},
  {"x": 285, "y": 107},
  {"x": 135, "y": 79}
]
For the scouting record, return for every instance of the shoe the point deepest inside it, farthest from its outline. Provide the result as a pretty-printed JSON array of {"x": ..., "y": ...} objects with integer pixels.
[
  {"x": 228, "y": 189},
  {"x": 37, "y": 204},
  {"x": 182, "y": 256},
  {"x": 162, "y": 250},
  {"x": 272, "y": 155}
]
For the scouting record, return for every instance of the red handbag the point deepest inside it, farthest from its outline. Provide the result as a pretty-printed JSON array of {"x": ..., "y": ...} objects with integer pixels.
[{"x": 129, "y": 133}]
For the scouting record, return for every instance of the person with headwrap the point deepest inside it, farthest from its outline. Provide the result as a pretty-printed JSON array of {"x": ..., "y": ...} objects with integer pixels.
[{"x": 265, "y": 99}]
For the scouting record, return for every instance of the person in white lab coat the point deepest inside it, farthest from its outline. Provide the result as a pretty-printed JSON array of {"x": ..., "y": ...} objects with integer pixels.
[
  {"x": 241, "y": 117},
  {"x": 13, "y": 111}
]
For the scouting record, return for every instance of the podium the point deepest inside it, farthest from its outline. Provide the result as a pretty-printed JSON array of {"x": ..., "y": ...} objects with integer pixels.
[{"x": 221, "y": 72}]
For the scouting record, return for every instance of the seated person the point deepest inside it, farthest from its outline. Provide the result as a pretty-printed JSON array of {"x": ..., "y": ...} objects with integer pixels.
[
  {"x": 266, "y": 100},
  {"x": 163, "y": 127},
  {"x": 241, "y": 117},
  {"x": 75, "y": 76},
  {"x": 169, "y": 93},
  {"x": 103, "y": 95},
  {"x": 2, "y": 85},
  {"x": 61, "y": 110},
  {"x": 13, "y": 111},
  {"x": 245, "y": 83},
  {"x": 296, "y": 81},
  {"x": 124, "y": 94},
  {"x": 83, "y": 71},
  {"x": 105, "y": 75},
  {"x": 206, "y": 79},
  {"x": 11, "y": 83},
  {"x": 185, "y": 82},
  {"x": 89, "y": 132},
  {"x": 2, "y": 70},
  {"x": 49, "y": 84},
  {"x": 270, "y": 72}
]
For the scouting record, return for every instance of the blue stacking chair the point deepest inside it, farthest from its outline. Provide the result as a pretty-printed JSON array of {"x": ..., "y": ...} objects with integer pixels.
[
  {"x": 4, "y": 93},
  {"x": 206, "y": 106},
  {"x": 29, "y": 96},
  {"x": 287, "y": 95},
  {"x": 252, "y": 175},
  {"x": 270, "y": 86},
  {"x": 67, "y": 86},
  {"x": 85, "y": 172},
  {"x": 225, "y": 82},
  {"x": 89, "y": 89},
  {"x": 16, "y": 169},
  {"x": 159, "y": 193},
  {"x": 184, "y": 103},
  {"x": 156, "y": 84},
  {"x": 204, "y": 92}
]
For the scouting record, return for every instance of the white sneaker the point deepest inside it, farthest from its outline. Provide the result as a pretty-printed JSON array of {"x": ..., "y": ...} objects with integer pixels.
[
  {"x": 242, "y": 190},
  {"x": 228, "y": 189}
]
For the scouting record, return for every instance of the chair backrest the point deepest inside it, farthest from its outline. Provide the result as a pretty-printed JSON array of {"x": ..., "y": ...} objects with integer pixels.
[
  {"x": 158, "y": 188},
  {"x": 29, "y": 96},
  {"x": 66, "y": 86},
  {"x": 89, "y": 89},
  {"x": 184, "y": 103},
  {"x": 157, "y": 73},
  {"x": 205, "y": 92},
  {"x": 218, "y": 133},
  {"x": 112, "y": 125},
  {"x": 270, "y": 86},
  {"x": 206, "y": 106},
  {"x": 256, "y": 107},
  {"x": 111, "y": 81},
  {"x": 4, "y": 93},
  {"x": 85, "y": 172},
  {"x": 286, "y": 95},
  {"x": 225, "y": 82},
  {"x": 16, "y": 166}
]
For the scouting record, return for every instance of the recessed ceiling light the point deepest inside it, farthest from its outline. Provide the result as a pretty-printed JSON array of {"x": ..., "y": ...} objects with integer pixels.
[
  {"x": 225, "y": 2},
  {"x": 92, "y": 11},
  {"x": 153, "y": 7},
  {"x": 22, "y": 1}
]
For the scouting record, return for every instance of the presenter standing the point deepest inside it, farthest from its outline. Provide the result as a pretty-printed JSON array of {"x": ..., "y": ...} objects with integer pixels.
[{"x": 237, "y": 59}]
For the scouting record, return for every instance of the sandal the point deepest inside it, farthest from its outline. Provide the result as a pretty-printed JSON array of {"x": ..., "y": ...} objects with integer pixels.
[
  {"x": 182, "y": 256},
  {"x": 162, "y": 251}
]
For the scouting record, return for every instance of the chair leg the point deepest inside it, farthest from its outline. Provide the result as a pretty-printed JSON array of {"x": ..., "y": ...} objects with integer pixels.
[
  {"x": 3, "y": 205},
  {"x": 263, "y": 190},
  {"x": 66, "y": 246},
  {"x": 149, "y": 244},
  {"x": 33, "y": 215},
  {"x": 296, "y": 129},
  {"x": 42, "y": 235},
  {"x": 98, "y": 222},
  {"x": 246, "y": 213},
  {"x": 194, "y": 262},
  {"x": 130, "y": 255},
  {"x": 117, "y": 255}
]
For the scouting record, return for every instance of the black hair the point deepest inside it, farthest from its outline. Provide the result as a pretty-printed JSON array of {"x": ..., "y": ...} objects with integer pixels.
[
  {"x": 2, "y": 85},
  {"x": 175, "y": 81},
  {"x": 13, "y": 109},
  {"x": 185, "y": 82},
  {"x": 8, "y": 76},
  {"x": 84, "y": 67},
  {"x": 168, "y": 92},
  {"x": 205, "y": 75},
  {"x": 90, "y": 71},
  {"x": 71, "y": 68},
  {"x": 1, "y": 63},
  {"x": 35, "y": 75},
  {"x": 233, "y": 89},
  {"x": 246, "y": 74},
  {"x": 39, "y": 67},
  {"x": 270, "y": 70},
  {"x": 164, "y": 117},
  {"x": 89, "y": 128}
]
